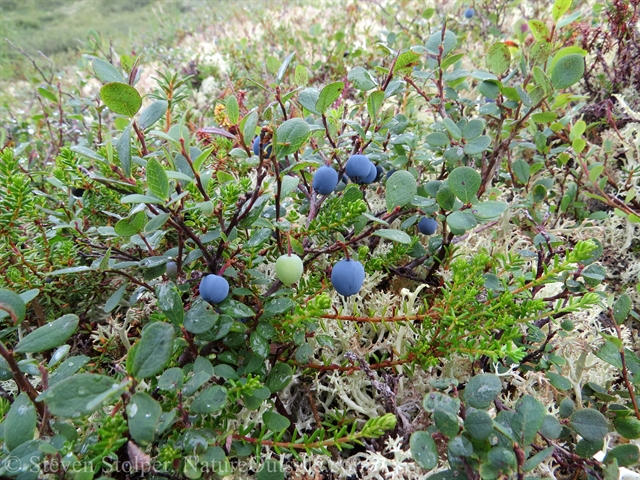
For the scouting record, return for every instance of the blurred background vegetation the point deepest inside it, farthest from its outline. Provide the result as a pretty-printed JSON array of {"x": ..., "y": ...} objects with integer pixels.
[{"x": 59, "y": 29}]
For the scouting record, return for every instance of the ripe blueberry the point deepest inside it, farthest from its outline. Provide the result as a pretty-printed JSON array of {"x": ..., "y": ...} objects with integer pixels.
[
  {"x": 427, "y": 226},
  {"x": 371, "y": 176},
  {"x": 469, "y": 12},
  {"x": 289, "y": 268},
  {"x": 256, "y": 147},
  {"x": 325, "y": 180},
  {"x": 214, "y": 288},
  {"x": 358, "y": 167},
  {"x": 379, "y": 172},
  {"x": 347, "y": 277}
]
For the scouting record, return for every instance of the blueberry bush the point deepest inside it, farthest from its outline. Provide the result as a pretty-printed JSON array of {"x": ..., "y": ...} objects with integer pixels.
[{"x": 358, "y": 240}]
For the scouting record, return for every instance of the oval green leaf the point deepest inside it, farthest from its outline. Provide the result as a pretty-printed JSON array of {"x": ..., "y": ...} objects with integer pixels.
[{"x": 121, "y": 98}]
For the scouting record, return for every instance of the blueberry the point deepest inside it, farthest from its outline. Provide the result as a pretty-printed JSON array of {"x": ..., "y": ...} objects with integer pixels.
[
  {"x": 77, "y": 192},
  {"x": 214, "y": 288},
  {"x": 325, "y": 180},
  {"x": 358, "y": 167},
  {"x": 379, "y": 172},
  {"x": 427, "y": 226},
  {"x": 172, "y": 270},
  {"x": 469, "y": 12},
  {"x": 390, "y": 172},
  {"x": 371, "y": 176},
  {"x": 344, "y": 179},
  {"x": 256, "y": 147},
  {"x": 347, "y": 277}
]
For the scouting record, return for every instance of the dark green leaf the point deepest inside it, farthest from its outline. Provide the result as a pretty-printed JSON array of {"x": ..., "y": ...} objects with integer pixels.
[
  {"x": 49, "y": 336},
  {"x": 154, "y": 350},
  {"x": 171, "y": 379},
  {"x": 291, "y": 135},
  {"x": 12, "y": 302},
  {"x": 153, "y": 113},
  {"x": 528, "y": 418},
  {"x": 478, "y": 424},
  {"x": 482, "y": 389},
  {"x": 626, "y": 455},
  {"x": 567, "y": 71},
  {"x": 328, "y": 95},
  {"x": 400, "y": 189},
  {"x": 170, "y": 302},
  {"x": 143, "y": 413},
  {"x": 393, "y": 235},
  {"x": 279, "y": 377},
  {"x": 621, "y": 308},
  {"x": 123, "y": 147},
  {"x": 275, "y": 422},
  {"x": 464, "y": 182},
  {"x": 20, "y": 423},
  {"x": 424, "y": 450},
  {"x": 210, "y": 400},
  {"x": 590, "y": 424},
  {"x": 157, "y": 179},
  {"x": 80, "y": 395}
]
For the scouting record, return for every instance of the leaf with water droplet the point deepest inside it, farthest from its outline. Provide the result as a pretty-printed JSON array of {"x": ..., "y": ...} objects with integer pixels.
[
  {"x": 20, "y": 423},
  {"x": 49, "y": 336},
  {"x": 80, "y": 395},
  {"x": 143, "y": 413}
]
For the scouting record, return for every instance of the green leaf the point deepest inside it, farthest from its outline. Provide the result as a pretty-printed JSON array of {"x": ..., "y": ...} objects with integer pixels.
[
  {"x": 123, "y": 147},
  {"x": 361, "y": 79},
  {"x": 300, "y": 76},
  {"x": 12, "y": 302},
  {"x": 248, "y": 127},
  {"x": 170, "y": 302},
  {"x": 157, "y": 179},
  {"x": 156, "y": 223},
  {"x": 626, "y": 455},
  {"x": 478, "y": 424},
  {"x": 259, "y": 345},
  {"x": 233, "y": 109},
  {"x": 559, "y": 8},
  {"x": 143, "y": 413},
  {"x": 477, "y": 145},
  {"x": 328, "y": 95},
  {"x": 464, "y": 182},
  {"x": 567, "y": 71},
  {"x": 80, "y": 395},
  {"x": 210, "y": 400},
  {"x": 498, "y": 58},
  {"x": 308, "y": 98},
  {"x": 400, "y": 189},
  {"x": 489, "y": 210},
  {"x": 424, "y": 450},
  {"x": 200, "y": 318},
  {"x": 291, "y": 135},
  {"x": 374, "y": 103},
  {"x": 406, "y": 61},
  {"x": 20, "y": 423},
  {"x": 154, "y": 350},
  {"x": 283, "y": 68},
  {"x": 437, "y": 139},
  {"x": 551, "y": 427},
  {"x": 393, "y": 235},
  {"x": 537, "y": 459},
  {"x": 270, "y": 470},
  {"x": 528, "y": 418},
  {"x": 452, "y": 128},
  {"x": 539, "y": 30},
  {"x": 121, "y": 98},
  {"x": 461, "y": 221},
  {"x": 628, "y": 427},
  {"x": 115, "y": 298},
  {"x": 128, "y": 227},
  {"x": 171, "y": 379},
  {"x": 590, "y": 424},
  {"x": 67, "y": 368},
  {"x": 106, "y": 72},
  {"x": 153, "y": 113},
  {"x": 558, "y": 381},
  {"x": 435, "y": 40},
  {"x": 49, "y": 336},
  {"x": 473, "y": 128},
  {"x": 275, "y": 422},
  {"x": 445, "y": 198},
  {"x": 621, "y": 308},
  {"x": 482, "y": 389},
  {"x": 87, "y": 152},
  {"x": 446, "y": 422},
  {"x": 48, "y": 94},
  {"x": 137, "y": 198},
  {"x": 279, "y": 377}
]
